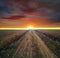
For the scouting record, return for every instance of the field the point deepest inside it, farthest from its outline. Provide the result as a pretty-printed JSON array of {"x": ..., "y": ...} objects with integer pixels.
[
  {"x": 30, "y": 44},
  {"x": 52, "y": 40}
]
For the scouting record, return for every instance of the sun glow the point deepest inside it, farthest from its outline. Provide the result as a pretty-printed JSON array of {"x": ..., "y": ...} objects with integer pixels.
[{"x": 30, "y": 27}]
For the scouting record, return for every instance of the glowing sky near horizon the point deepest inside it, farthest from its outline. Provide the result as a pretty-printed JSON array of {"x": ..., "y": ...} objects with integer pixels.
[{"x": 22, "y": 13}]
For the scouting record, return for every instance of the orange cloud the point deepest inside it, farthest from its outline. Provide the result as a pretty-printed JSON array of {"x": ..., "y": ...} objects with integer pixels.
[{"x": 24, "y": 22}]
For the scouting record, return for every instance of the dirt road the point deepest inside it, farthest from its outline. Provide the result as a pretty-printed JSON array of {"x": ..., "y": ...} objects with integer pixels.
[{"x": 32, "y": 46}]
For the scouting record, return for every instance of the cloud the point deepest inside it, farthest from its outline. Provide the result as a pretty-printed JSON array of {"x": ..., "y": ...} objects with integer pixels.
[{"x": 25, "y": 8}]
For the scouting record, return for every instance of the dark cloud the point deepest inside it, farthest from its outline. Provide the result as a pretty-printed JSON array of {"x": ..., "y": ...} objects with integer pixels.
[{"x": 44, "y": 8}]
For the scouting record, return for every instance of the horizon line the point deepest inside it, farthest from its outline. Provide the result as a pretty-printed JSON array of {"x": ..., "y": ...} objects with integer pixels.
[{"x": 50, "y": 28}]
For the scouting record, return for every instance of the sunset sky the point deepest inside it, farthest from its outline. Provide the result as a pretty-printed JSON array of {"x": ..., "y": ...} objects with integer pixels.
[{"x": 23, "y": 13}]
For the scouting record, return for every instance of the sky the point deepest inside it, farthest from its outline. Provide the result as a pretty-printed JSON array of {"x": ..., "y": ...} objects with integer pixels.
[{"x": 22, "y": 13}]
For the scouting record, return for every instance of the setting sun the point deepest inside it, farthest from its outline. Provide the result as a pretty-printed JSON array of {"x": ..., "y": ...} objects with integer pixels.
[{"x": 30, "y": 27}]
